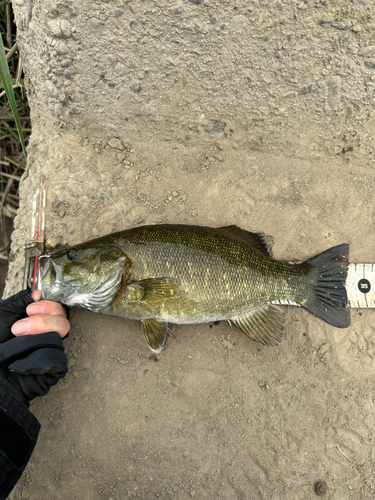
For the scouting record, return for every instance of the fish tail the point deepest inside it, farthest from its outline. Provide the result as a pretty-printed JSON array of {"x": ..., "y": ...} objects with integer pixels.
[{"x": 328, "y": 297}]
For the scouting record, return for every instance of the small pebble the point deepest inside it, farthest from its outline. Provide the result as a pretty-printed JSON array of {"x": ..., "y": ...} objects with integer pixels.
[
  {"x": 60, "y": 28},
  {"x": 115, "y": 143},
  {"x": 325, "y": 20},
  {"x": 136, "y": 87},
  {"x": 370, "y": 63}
]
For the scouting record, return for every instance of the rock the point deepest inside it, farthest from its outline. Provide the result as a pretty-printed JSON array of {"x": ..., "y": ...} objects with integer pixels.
[
  {"x": 51, "y": 89},
  {"x": 119, "y": 70},
  {"x": 65, "y": 63},
  {"x": 63, "y": 98},
  {"x": 115, "y": 143},
  {"x": 306, "y": 90},
  {"x": 136, "y": 87},
  {"x": 61, "y": 47},
  {"x": 342, "y": 26},
  {"x": 325, "y": 20},
  {"x": 59, "y": 110},
  {"x": 59, "y": 208},
  {"x": 60, "y": 28},
  {"x": 368, "y": 51},
  {"x": 370, "y": 63},
  {"x": 214, "y": 126}
]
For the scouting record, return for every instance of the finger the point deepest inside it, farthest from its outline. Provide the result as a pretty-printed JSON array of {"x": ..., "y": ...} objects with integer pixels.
[
  {"x": 46, "y": 307},
  {"x": 36, "y": 295},
  {"x": 41, "y": 323}
]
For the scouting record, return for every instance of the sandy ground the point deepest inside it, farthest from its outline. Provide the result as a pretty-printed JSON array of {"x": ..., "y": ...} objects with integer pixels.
[
  {"x": 214, "y": 415},
  {"x": 255, "y": 113}
]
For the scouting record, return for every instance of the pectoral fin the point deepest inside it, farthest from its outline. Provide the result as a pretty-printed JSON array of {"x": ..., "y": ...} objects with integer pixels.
[
  {"x": 155, "y": 289},
  {"x": 156, "y": 333},
  {"x": 265, "y": 324}
]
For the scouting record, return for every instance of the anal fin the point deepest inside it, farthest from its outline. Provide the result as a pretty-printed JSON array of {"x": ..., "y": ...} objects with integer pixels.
[
  {"x": 156, "y": 333},
  {"x": 264, "y": 324}
]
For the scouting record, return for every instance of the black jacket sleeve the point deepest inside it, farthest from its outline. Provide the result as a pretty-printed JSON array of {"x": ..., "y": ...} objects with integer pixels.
[{"x": 19, "y": 430}]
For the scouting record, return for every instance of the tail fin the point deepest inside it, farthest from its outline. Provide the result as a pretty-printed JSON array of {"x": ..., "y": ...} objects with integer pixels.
[{"x": 328, "y": 299}]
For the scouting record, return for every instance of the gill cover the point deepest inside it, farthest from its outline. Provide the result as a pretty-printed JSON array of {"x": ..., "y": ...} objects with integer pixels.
[{"x": 86, "y": 276}]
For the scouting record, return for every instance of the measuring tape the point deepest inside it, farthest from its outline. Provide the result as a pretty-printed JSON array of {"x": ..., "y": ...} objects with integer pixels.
[{"x": 359, "y": 284}]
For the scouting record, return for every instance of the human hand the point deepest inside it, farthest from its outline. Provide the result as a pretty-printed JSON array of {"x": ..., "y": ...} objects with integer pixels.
[
  {"x": 20, "y": 315},
  {"x": 29, "y": 363}
]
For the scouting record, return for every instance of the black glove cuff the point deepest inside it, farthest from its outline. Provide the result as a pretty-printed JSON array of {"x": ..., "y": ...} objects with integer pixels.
[
  {"x": 22, "y": 346},
  {"x": 19, "y": 430}
]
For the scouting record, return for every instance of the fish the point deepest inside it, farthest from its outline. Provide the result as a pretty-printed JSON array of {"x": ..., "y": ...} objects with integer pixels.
[{"x": 186, "y": 274}]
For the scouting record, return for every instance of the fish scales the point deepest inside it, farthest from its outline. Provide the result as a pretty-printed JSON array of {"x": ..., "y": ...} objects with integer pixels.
[
  {"x": 193, "y": 274},
  {"x": 218, "y": 275}
]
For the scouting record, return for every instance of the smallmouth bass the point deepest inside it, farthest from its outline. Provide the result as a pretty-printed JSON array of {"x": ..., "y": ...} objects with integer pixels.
[{"x": 184, "y": 274}]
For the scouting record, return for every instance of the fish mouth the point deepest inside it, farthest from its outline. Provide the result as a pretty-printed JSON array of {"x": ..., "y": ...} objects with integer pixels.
[
  {"x": 52, "y": 286},
  {"x": 46, "y": 263}
]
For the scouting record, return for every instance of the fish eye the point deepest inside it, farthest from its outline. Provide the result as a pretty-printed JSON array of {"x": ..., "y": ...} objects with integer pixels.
[{"x": 72, "y": 254}]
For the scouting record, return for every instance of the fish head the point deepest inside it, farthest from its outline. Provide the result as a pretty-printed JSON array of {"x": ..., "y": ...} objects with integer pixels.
[{"x": 85, "y": 275}]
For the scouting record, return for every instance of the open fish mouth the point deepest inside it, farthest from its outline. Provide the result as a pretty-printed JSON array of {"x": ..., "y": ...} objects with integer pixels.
[
  {"x": 47, "y": 263},
  {"x": 52, "y": 289},
  {"x": 53, "y": 292}
]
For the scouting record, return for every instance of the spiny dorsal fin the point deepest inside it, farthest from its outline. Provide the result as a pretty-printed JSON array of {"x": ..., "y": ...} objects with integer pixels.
[
  {"x": 265, "y": 324},
  {"x": 257, "y": 240},
  {"x": 155, "y": 332}
]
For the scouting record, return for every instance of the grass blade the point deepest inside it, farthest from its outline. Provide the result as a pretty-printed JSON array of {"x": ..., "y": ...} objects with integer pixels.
[
  {"x": 7, "y": 82},
  {"x": 13, "y": 82}
]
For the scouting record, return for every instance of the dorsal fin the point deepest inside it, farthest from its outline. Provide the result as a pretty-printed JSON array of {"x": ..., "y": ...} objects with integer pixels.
[{"x": 257, "y": 240}]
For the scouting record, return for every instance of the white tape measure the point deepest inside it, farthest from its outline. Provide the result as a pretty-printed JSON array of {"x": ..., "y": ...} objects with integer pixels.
[{"x": 359, "y": 284}]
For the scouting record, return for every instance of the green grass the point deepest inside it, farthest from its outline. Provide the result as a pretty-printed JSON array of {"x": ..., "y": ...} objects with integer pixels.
[
  {"x": 15, "y": 125},
  {"x": 6, "y": 82}
]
